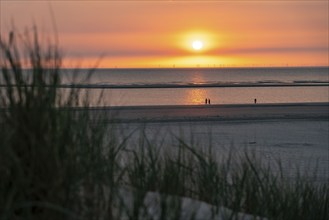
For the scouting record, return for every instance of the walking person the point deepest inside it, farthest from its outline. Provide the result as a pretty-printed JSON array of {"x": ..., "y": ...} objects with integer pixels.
[
  {"x": 255, "y": 100},
  {"x": 206, "y": 101}
]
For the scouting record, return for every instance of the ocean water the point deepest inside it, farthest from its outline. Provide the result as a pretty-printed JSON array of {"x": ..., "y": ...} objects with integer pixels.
[{"x": 175, "y": 86}]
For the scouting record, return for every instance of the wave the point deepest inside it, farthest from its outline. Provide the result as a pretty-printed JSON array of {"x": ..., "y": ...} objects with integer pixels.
[
  {"x": 269, "y": 83},
  {"x": 264, "y": 83}
]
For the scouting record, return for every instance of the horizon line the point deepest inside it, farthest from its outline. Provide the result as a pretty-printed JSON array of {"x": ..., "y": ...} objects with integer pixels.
[{"x": 202, "y": 67}]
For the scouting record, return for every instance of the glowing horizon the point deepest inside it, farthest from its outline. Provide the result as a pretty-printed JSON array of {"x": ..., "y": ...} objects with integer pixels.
[{"x": 162, "y": 33}]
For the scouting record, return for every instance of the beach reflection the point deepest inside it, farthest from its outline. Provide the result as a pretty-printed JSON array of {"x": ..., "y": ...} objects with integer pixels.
[{"x": 195, "y": 96}]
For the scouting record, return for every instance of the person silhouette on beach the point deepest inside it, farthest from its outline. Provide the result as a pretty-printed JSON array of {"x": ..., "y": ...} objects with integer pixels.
[
  {"x": 206, "y": 101},
  {"x": 255, "y": 100},
  {"x": 209, "y": 101}
]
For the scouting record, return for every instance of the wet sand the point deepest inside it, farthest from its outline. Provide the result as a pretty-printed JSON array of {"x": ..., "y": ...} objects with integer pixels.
[{"x": 218, "y": 112}]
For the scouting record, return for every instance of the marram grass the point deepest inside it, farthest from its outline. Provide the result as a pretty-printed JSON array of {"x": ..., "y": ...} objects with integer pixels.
[{"x": 56, "y": 163}]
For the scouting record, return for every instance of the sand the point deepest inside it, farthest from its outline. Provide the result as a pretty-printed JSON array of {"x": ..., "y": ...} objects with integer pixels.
[
  {"x": 218, "y": 112},
  {"x": 297, "y": 134}
]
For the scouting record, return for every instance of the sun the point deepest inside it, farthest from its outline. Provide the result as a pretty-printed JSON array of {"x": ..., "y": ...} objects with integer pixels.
[{"x": 197, "y": 45}]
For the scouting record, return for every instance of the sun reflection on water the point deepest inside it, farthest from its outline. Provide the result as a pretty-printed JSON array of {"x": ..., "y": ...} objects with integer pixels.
[{"x": 196, "y": 96}]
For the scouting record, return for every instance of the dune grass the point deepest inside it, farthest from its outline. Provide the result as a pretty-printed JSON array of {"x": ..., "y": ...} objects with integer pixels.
[{"x": 57, "y": 163}]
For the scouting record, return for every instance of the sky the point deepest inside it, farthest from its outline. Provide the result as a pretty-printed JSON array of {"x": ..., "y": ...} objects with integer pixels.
[{"x": 128, "y": 34}]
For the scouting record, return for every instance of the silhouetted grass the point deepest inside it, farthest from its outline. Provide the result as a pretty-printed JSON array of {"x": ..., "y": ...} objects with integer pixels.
[{"x": 56, "y": 163}]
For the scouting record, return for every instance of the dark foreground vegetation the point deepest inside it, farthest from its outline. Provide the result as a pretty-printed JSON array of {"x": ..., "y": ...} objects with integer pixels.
[{"x": 56, "y": 164}]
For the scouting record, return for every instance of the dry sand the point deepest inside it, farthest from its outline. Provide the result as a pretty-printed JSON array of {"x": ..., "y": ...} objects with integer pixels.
[{"x": 296, "y": 133}]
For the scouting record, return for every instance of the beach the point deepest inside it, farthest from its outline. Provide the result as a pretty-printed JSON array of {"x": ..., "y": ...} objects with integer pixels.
[
  {"x": 140, "y": 110},
  {"x": 319, "y": 111},
  {"x": 295, "y": 134}
]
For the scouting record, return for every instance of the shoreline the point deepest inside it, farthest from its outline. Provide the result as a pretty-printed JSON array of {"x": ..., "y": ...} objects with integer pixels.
[
  {"x": 207, "y": 113},
  {"x": 219, "y": 105},
  {"x": 222, "y": 112}
]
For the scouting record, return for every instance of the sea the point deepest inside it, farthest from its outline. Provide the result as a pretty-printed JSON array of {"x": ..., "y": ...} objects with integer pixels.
[{"x": 191, "y": 86}]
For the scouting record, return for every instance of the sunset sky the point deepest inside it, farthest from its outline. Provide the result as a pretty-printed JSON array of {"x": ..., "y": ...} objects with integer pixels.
[{"x": 161, "y": 33}]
